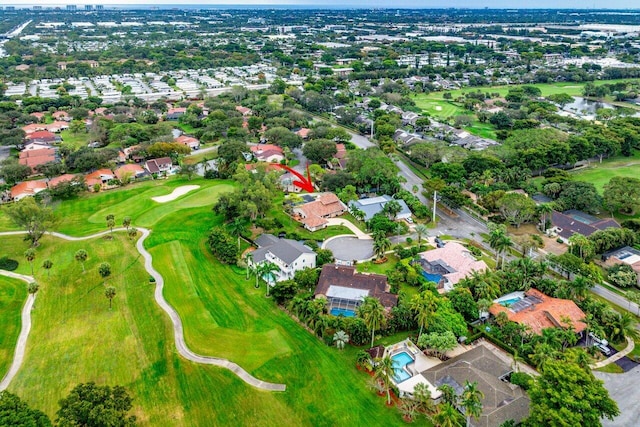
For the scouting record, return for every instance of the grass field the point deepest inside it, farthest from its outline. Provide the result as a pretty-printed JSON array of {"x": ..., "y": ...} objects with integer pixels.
[
  {"x": 600, "y": 173},
  {"x": 74, "y": 140},
  {"x": 13, "y": 294},
  {"x": 75, "y": 337}
]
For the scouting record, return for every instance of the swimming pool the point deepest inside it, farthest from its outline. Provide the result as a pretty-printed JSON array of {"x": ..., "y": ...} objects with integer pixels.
[
  {"x": 342, "y": 312},
  {"x": 511, "y": 301},
  {"x": 401, "y": 360},
  {"x": 435, "y": 278}
]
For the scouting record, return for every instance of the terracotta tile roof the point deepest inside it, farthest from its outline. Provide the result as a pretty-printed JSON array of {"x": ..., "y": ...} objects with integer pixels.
[
  {"x": 97, "y": 177},
  {"x": 57, "y": 126},
  {"x": 33, "y": 158},
  {"x": 187, "y": 140},
  {"x": 42, "y": 135},
  {"x": 348, "y": 277},
  {"x": 132, "y": 169},
  {"x": 59, "y": 179},
  {"x": 27, "y": 188},
  {"x": 61, "y": 115},
  {"x": 179, "y": 110},
  {"x": 303, "y": 132},
  {"x": 33, "y": 127},
  {"x": 458, "y": 258},
  {"x": 342, "y": 151},
  {"x": 37, "y": 115},
  {"x": 549, "y": 313},
  {"x": 243, "y": 110}
]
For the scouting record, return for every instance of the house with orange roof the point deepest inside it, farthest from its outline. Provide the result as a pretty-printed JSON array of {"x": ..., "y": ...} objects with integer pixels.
[
  {"x": 57, "y": 126},
  {"x": 34, "y": 158},
  {"x": 37, "y": 115},
  {"x": 130, "y": 171},
  {"x": 449, "y": 264},
  {"x": 27, "y": 189},
  {"x": 61, "y": 115},
  {"x": 174, "y": 114},
  {"x": 36, "y": 146},
  {"x": 189, "y": 141},
  {"x": 101, "y": 177},
  {"x": 339, "y": 160},
  {"x": 267, "y": 153},
  {"x": 43, "y": 136},
  {"x": 538, "y": 311},
  {"x": 67, "y": 177},
  {"x": 303, "y": 133},
  {"x": 33, "y": 127},
  {"x": 314, "y": 214},
  {"x": 244, "y": 110}
]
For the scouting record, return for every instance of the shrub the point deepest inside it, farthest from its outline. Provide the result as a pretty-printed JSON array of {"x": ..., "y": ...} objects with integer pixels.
[
  {"x": 8, "y": 264},
  {"x": 522, "y": 379}
]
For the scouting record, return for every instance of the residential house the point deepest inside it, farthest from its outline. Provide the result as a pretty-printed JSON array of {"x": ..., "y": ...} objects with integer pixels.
[
  {"x": 339, "y": 160},
  {"x": 449, "y": 264},
  {"x": 267, "y": 153},
  {"x": 43, "y": 136},
  {"x": 409, "y": 117},
  {"x": 374, "y": 205},
  {"x": 38, "y": 115},
  {"x": 538, "y": 311},
  {"x": 36, "y": 146},
  {"x": 626, "y": 255},
  {"x": 173, "y": 114},
  {"x": 314, "y": 214},
  {"x": 189, "y": 141},
  {"x": 573, "y": 221},
  {"x": 100, "y": 177},
  {"x": 403, "y": 137},
  {"x": 344, "y": 289},
  {"x": 34, "y": 127},
  {"x": 35, "y": 158},
  {"x": 244, "y": 110},
  {"x": 303, "y": 133},
  {"x": 57, "y": 126},
  {"x": 61, "y": 115},
  {"x": 130, "y": 171},
  {"x": 158, "y": 166},
  {"x": 288, "y": 255},
  {"x": 27, "y": 189},
  {"x": 53, "y": 182},
  {"x": 502, "y": 401}
]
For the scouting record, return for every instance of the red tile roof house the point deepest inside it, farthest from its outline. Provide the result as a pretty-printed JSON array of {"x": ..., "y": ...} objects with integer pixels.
[
  {"x": 244, "y": 110},
  {"x": 27, "y": 189},
  {"x": 61, "y": 115},
  {"x": 60, "y": 179},
  {"x": 538, "y": 311},
  {"x": 130, "y": 171},
  {"x": 339, "y": 160},
  {"x": 314, "y": 214},
  {"x": 38, "y": 115},
  {"x": 452, "y": 263},
  {"x": 174, "y": 114},
  {"x": 100, "y": 177},
  {"x": 344, "y": 288},
  {"x": 43, "y": 136},
  {"x": 57, "y": 126},
  {"x": 34, "y": 127},
  {"x": 268, "y": 153},
  {"x": 33, "y": 158},
  {"x": 36, "y": 146},
  {"x": 158, "y": 166},
  {"x": 189, "y": 141},
  {"x": 303, "y": 133}
]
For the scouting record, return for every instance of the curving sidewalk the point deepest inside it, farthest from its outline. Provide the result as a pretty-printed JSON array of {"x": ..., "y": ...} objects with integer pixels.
[
  {"x": 25, "y": 328},
  {"x": 178, "y": 329},
  {"x": 619, "y": 355}
]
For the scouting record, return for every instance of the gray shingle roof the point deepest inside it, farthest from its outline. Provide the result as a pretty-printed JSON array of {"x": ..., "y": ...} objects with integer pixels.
[{"x": 286, "y": 250}]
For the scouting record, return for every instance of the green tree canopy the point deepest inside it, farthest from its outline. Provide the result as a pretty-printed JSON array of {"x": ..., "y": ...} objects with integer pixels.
[{"x": 93, "y": 405}]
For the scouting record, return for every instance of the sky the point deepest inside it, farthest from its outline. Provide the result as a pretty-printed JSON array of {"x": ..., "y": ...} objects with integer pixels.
[{"x": 511, "y": 4}]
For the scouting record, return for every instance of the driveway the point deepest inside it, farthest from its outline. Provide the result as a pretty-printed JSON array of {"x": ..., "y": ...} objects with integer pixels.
[
  {"x": 4, "y": 152},
  {"x": 623, "y": 388}
]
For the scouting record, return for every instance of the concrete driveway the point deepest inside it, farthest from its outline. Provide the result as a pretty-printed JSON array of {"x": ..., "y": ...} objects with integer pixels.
[
  {"x": 350, "y": 248},
  {"x": 623, "y": 388}
]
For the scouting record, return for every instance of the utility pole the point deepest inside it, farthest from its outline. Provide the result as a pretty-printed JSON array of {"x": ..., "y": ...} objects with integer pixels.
[{"x": 435, "y": 200}]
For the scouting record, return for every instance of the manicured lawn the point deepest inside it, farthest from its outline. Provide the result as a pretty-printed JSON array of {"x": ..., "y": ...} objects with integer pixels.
[
  {"x": 75, "y": 337},
  {"x": 600, "y": 173},
  {"x": 13, "y": 294},
  {"x": 74, "y": 140},
  {"x": 384, "y": 268}
]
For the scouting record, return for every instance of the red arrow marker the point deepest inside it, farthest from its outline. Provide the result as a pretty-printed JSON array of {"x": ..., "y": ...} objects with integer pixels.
[{"x": 304, "y": 183}]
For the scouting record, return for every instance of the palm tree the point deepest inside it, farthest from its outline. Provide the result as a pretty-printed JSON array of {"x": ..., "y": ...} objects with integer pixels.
[
  {"x": 104, "y": 270},
  {"x": 421, "y": 230},
  {"x": 340, "y": 338},
  {"x": 447, "y": 416},
  {"x": 248, "y": 258},
  {"x": 484, "y": 304},
  {"x": 110, "y": 293},
  {"x": 132, "y": 232},
  {"x": 33, "y": 288},
  {"x": 381, "y": 246},
  {"x": 30, "y": 255},
  {"x": 266, "y": 270},
  {"x": 47, "y": 264},
  {"x": 81, "y": 256},
  {"x": 544, "y": 210},
  {"x": 384, "y": 371},
  {"x": 471, "y": 401},
  {"x": 422, "y": 395},
  {"x": 374, "y": 315},
  {"x": 448, "y": 394},
  {"x": 237, "y": 227},
  {"x": 624, "y": 326},
  {"x": 408, "y": 408},
  {"x": 126, "y": 222},
  {"x": 111, "y": 222},
  {"x": 499, "y": 240},
  {"x": 424, "y": 305}
]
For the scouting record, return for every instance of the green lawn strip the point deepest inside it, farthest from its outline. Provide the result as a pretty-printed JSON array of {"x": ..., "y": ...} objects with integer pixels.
[
  {"x": 74, "y": 140},
  {"x": 384, "y": 268},
  {"x": 611, "y": 368},
  {"x": 13, "y": 294},
  {"x": 600, "y": 173}
]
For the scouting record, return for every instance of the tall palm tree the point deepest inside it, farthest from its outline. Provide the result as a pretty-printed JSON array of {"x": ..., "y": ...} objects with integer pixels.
[
  {"x": 499, "y": 240},
  {"x": 340, "y": 338},
  {"x": 110, "y": 293},
  {"x": 471, "y": 401},
  {"x": 30, "y": 255},
  {"x": 248, "y": 258},
  {"x": 111, "y": 222},
  {"x": 384, "y": 371},
  {"x": 422, "y": 395},
  {"x": 33, "y": 288},
  {"x": 373, "y": 313},
  {"x": 544, "y": 210},
  {"x": 447, "y": 416},
  {"x": 81, "y": 256},
  {"x": 381, "y": 246},
  {"x": 424, "y": 305},
  {"x": 47, "y": 264},
  {"x": 624, "y": 326},
  {"x": 421, "y": 230},
  {"x": 266, "y": 270},
  {"x": 237, "y": 227},
  {"x": 448, "y": 394}
]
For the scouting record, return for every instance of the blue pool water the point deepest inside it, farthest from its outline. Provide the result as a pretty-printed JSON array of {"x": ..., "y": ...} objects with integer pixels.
[
  {"x": 509, "y": 302},
  {"x": 400, "y": 360},
  {"x": 435, "y": 278},
  {"x": 342, "y": 312}
]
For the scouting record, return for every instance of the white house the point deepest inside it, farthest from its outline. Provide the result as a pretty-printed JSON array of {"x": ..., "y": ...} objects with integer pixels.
[{"x": 288, "y": 255}]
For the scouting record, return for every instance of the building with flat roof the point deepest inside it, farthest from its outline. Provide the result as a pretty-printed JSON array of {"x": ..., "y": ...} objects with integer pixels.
[{"x": 374, "y": 205}]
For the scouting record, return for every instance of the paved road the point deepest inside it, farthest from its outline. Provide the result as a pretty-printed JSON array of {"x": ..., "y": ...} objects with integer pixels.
[
  {"x": 25, "y": 328},
  {"x": 615, "y": 298},
  {"x": 178, "y": 328},
  {"x": 623, "y": 388}
]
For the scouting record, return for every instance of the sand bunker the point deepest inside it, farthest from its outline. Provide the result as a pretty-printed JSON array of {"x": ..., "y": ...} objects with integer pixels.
[
  {"x": 180, "y": 191},
  {"x": 438, "y": 108}
]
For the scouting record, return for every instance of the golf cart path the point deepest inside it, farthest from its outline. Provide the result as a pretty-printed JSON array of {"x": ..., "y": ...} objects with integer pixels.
[
  {"x": 25, "y": 327},
  {"x": 178, "y": 329}
]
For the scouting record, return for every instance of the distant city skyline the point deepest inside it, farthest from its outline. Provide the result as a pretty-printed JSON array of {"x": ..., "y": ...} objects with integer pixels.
[{"x": 390, "y": 4}]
